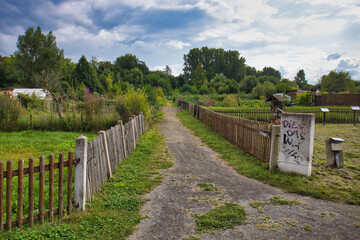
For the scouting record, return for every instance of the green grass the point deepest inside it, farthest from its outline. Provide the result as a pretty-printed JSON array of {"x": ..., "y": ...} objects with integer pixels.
[
  {"x": 222, "y": 217},
  {"x": 114, "y": 211},
  {"x": 279, "y": 200},
  {"x": 341, "y": 185},
  {"x": 207, "y": 186},
  {"x": 26, "y": 144}
]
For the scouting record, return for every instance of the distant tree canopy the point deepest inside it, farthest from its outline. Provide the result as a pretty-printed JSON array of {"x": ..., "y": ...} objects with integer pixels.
[
  {"x": 215, "y": 61},
  {"x": 337, "y": 82},
  {"x": 37, "y": 52},
  {"x": 39, "y": 62}
]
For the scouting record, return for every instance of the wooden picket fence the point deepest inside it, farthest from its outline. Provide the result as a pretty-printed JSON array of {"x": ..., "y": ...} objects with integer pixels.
[
  {"x": 38, "y": 173},
  {"x": 108, "y": 149},
  {"x": 251, "y": 136},
  {"x": 336, "y": 114},
  {"x": 100, "y": 158}
]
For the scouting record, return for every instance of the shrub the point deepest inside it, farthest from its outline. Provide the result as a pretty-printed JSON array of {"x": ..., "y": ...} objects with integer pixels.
[
  {"x": 230, "y": 101},
  {"x": 136, "y": 101},
  {"x": 304, "y": 99},
  {"x": 93, "y": 108},
  {"x": 31, "y": 101},
  {"x": 9, "y": 113},
  {"x": 122, "y": 110}
]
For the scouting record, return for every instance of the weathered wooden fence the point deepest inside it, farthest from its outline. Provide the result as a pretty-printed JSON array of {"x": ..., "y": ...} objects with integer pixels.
[
  {"x": 108, "y": 149},
  {"x": 251, "y": 136},
  {"x": 336, "y": 115},
  {"x": 34, "y": 173},
  {"x": 93, "y": 164}
]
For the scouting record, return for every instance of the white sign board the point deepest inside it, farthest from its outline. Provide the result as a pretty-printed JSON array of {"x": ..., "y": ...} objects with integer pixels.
[
  {"x": 296, "y": 142},
  {"x": 355, "y": 108},
  {"x": 324, "y": 109}
]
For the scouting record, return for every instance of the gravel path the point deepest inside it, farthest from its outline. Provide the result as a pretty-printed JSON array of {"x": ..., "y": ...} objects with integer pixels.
[{"x": 170, "y": 206}]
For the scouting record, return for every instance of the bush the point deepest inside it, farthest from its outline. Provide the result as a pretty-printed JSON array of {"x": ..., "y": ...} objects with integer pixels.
[
  {"x": 31, "y": 101},
  {"x": 230, "y": 101},
  {"x": 9, "y": 113},
  {"x": 136, "y": 102},
  {"x": 122, "y": 110},
  {"x": 93, "y": 109},
  {"x": 304, "y": 99}
]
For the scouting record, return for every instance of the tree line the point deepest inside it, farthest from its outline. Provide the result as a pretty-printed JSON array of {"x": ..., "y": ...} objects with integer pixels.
[{"x": 38, "y": 62}]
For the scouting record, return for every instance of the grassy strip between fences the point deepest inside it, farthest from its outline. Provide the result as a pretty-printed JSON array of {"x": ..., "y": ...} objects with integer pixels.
[
  {"x": 114, "y": 211},
  {"x": 341, "y": 185}
]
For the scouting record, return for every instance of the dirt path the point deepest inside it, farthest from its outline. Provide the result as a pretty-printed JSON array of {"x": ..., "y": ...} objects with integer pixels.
[{"x": 171, "y": 205}]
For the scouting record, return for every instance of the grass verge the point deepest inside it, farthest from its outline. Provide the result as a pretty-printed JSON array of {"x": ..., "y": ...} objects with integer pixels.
[
  {"x": 222, "y": 217},
  {"x": 114, "y": 211},
  {"x": 319, "y": 185}
]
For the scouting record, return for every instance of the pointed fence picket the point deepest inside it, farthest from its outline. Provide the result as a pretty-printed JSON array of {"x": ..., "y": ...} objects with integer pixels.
[{"x": 103, "y": 154}]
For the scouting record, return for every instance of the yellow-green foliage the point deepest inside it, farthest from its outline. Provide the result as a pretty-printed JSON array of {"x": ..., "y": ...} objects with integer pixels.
[
  {"x": 136, "y": 101},
  {"x": 230, "y": 101}
]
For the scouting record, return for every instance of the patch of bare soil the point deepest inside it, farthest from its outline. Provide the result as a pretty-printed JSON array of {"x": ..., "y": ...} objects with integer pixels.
[{"x": 171, "y": 206}]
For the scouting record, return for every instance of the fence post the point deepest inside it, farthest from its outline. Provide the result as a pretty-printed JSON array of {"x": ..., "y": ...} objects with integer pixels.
[
  {"x": 274, "y": 146},
  {"x": 122, "y": 128},
  {"x": 80, "y": 172},
  {"x": 108, "y": 166}
]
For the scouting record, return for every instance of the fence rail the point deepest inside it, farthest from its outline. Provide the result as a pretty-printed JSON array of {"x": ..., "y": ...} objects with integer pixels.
[
  {"x": 251, "y": 136},
  {"x": 101, "y": 157},
  {"x": 9, "y": 176},
  {"x": 336, "y": 115}
]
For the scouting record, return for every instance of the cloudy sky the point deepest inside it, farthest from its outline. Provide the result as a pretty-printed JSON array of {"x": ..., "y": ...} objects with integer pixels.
[{"x": 314, "y": 35}]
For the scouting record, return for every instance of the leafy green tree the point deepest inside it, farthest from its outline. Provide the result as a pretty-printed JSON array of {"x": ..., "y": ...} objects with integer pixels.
[
  {"x": 282, "y": 87},
  {"x": 215, "y": 61},
  {"x": 300, "y": 78},
  {"x": 51, "y": 82},
  {"x": 199, "y": 76},
  {"x": 167, "y": 70},
  {"x": 218, "y": 82},
  {"x": 8, "y": 73},
  {"x": 248, "y": 84},
  {"x": 127, "y": 62},
  {"x": 337, "y": 82},
  {"x": 67, "y": 72},
  {"x": 269, "y": 71},
  {"x": 135, "y": 77},
  {"x": 269, "y": 88},
  {"x": 83, "y": 73},
  {"x": 250, "y": 71},
  {"x": 37, "y": 52},
  {"x": 258, "y": 91}
]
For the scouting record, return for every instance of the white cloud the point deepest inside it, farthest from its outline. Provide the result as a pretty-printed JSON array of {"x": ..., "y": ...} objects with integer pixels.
[
  {"x": 65, "y": 12},
  {"x": 175, "y": 44}
]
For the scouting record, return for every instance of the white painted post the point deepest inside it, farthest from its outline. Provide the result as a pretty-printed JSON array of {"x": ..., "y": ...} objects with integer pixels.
[
  {"x": 80, "y": 172},
  {"x": 102, "y": 134}
]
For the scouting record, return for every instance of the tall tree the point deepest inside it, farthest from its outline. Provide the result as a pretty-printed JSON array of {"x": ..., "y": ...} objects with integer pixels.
[
  {"x": 337, "y": 82},
  {"x": 215, "y": 61},
  {"x": 300, "y": 78},
  {"x": 83, "y": 73},
  {"x": 269, "y": 71},
  {"x": 8, "y": 73},
  {"x": 37, "y": 52},
  {"x": 127, "y": 62},
  {"x": 199, "y": 76},
  {"x": 50, "y": 81}
]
